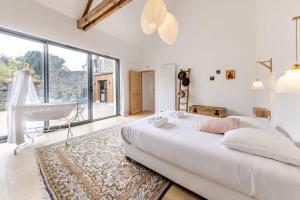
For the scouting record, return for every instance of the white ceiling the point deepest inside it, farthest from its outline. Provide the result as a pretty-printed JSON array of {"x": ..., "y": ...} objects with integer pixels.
[{"x": 124, "y": 24}]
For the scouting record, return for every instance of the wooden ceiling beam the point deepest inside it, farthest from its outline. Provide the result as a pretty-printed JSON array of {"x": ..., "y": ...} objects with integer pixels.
[
  {"x": 106, "y": 14},
  {"x": 87, "y": 7},
  {"x": 100, "y": 12}
]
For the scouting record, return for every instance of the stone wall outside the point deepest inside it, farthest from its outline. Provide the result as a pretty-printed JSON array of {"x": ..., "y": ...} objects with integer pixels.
[{"x": 64, "y": 86}]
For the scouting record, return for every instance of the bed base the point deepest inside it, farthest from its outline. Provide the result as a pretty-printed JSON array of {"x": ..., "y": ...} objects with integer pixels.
[{"x": 195, "y": 183}]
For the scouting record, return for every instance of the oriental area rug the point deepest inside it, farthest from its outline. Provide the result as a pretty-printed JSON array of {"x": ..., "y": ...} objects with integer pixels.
[{"x": 93, "y": 166}]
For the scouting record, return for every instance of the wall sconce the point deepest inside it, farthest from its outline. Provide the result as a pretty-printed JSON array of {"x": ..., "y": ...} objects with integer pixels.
[
  {"x": 258, "y": 84},
  {"x": 290, "y": 81}
]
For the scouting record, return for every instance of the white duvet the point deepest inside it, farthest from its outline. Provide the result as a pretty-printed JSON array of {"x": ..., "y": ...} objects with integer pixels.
[{"x": 180, "y": 143}]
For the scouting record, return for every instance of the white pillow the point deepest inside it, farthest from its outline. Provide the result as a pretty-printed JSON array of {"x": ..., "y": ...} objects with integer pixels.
[
  {"x": 263, "y": 143},
  {"x": 254, "y": 122},
  {"x": 295, "y": 138}
]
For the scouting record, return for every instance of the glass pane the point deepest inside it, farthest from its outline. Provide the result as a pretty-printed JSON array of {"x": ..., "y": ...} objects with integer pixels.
[
  {"x": 68, "y": 79},
  {"x": 17, "y": 54},
  {"x": 104, "y": 87}
]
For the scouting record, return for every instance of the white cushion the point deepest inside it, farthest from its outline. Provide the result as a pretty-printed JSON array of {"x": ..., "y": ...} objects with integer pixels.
[
  {"x": 254, "y": 122},
  {"x": 293, "y": 137},
  {"x": 263, "y": 143}
]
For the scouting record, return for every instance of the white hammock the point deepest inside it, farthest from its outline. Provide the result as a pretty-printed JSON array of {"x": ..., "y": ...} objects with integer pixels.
[{"x": 24, "y": 105}]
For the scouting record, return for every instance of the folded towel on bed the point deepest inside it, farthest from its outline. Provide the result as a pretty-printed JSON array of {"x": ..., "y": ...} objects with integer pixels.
[
  {"x": 157, "y": 121},
  {"x": 178, "y": 114}
]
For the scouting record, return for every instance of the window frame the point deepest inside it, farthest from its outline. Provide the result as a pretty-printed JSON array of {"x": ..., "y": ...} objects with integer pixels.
[{"x": 89, "y": 53}]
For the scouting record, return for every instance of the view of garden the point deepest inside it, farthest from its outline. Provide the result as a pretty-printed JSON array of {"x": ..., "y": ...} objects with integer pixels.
[
  {"x": 9, "y": 66},
  {"x": 67, "y": 75},
  {"x": 66, "y": 85},
  {"x": 58, "y": 73}
]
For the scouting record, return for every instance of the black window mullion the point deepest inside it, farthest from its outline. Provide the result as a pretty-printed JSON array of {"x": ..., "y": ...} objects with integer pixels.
[
  {"x": 46, "y": 78},
  {"x": 90, "y": 86},
  {"x": 46, "y": 73}
]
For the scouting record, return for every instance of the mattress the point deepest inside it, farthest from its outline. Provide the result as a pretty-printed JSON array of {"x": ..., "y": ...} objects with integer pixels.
[{"x": 181, "y": 144}]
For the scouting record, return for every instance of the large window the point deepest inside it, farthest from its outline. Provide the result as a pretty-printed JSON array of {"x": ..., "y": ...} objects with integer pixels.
[
  {"x": 61, "y": 74},
  {"x": 68, "y": 78},
  {"x": 17, "y": 54},
  {"x": 104, "y": 87}
]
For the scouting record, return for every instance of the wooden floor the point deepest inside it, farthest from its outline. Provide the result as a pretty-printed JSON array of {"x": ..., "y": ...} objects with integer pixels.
[{"x": 19, "y": 175}]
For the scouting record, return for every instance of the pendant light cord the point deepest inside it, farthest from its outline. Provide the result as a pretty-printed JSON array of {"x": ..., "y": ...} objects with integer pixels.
[
  {"x": 257, "y": 72},
  {"x": 297, "y": 41}
]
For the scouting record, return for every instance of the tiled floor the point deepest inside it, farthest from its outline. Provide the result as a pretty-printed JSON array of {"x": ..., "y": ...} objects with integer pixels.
[{"x": 19, "y": 175}]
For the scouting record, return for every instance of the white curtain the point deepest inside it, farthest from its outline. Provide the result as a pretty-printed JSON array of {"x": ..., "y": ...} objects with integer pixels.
[
  {"x": 165, "y": 86},
  {"x": 32, "y": 96},
  {"x": 22, "y": 91}
]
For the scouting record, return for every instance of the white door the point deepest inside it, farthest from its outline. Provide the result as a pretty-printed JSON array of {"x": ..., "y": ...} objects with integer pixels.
[{"x": 165, "y": 79}]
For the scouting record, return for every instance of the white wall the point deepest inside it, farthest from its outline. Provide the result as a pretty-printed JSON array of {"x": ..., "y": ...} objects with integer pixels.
[
  {"x": 275, "y": 37},
  {"x": 29, "y": 17},
  {"x": 214, "y": 35},
  {"x": 148, "y": 84}
]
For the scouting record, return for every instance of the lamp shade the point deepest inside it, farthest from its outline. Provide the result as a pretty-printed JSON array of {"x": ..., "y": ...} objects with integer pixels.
[
  {"x": 289, "y": 82},
  {"x": 147, "y": 29},
  {"x": 155, "y": 12},
  {"x": 257, "y": 85},
  {"x": 168, "y": 31}
]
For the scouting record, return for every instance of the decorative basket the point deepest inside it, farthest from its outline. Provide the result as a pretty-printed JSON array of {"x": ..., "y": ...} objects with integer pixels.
[{"x": 208, "y": 111}]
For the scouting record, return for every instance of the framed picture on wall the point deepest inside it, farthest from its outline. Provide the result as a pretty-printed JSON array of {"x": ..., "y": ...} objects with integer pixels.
[{"x": 230, "y": 74}]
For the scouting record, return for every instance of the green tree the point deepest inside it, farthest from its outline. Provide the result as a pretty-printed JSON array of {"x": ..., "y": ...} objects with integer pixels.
[
  {"x": 55, "y": 62},
  {"x": 5, "y": 73},
  {"x": 15, "y": 64},
  {"x": 35, "y": 59},
  {"x": 4, "y": 59}
]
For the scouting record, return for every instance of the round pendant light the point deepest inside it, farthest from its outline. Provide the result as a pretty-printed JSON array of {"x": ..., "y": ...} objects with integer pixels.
[
  {"x": 168, "y": 31},
  {"x": 155, "y": 12},
  {"x": 289, "y": 82},
  {"x": 147, "y": 29},
  {"x": 257, "y": 85}
]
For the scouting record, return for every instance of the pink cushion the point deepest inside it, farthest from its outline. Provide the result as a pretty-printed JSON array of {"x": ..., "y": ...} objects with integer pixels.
[{"x": 220, "y": 125}]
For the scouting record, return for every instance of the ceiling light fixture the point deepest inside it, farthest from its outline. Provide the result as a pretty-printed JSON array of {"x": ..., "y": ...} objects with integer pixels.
[
  {"x": 147, "y": 29},
  {"x": 290, "y": 81},
  {"x": 168, "y": 31},
  {"x": 155, "y": 12},
  {"x": 155, "y": 16}
]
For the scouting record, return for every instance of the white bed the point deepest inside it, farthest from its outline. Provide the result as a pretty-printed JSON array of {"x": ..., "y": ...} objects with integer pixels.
[{"x": 198, "y": 161}]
